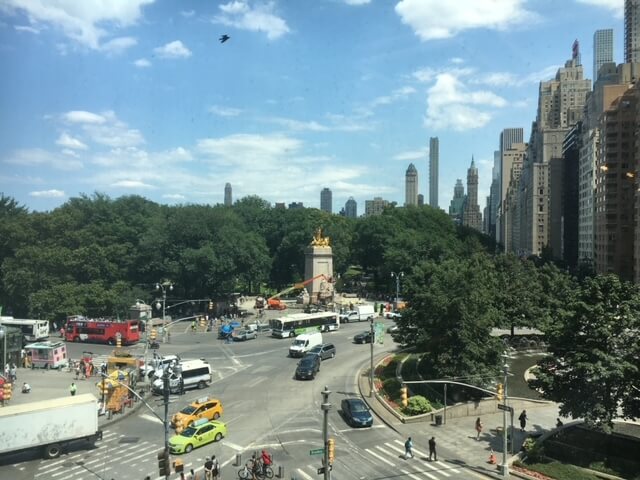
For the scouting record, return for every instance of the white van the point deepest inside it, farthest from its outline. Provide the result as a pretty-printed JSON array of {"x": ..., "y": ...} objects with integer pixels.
[
  {"x": 194, "y": 374},
  {"x": 303, "y": 343}
]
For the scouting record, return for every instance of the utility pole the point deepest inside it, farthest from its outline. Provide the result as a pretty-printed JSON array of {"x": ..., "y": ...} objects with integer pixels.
[
  {"x": 505, "y": 465},
  {"x": 326, "y": 406},
  {"x": 373, "y": 338},
  {"x": 165, "y": 394}
]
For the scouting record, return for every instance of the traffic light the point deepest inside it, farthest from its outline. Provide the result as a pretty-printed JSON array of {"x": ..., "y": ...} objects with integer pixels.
[
  {"x": 500, "y": 392},
  {"x": 118, "y": 341},
  {"x": 178, "y": 465},
  {"x": 331, "y": 448},
  {"x": 153, "y": 334},
  {"x": 210, "y": 305},
  {"x": 163, "y": 463},
  {"x": 6, "y": 392},
  {"x": 404, "y": 396},
  {"x": 203, "y": 322}
]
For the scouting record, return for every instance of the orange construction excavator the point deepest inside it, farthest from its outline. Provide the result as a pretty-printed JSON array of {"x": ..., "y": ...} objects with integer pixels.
[{"x": 274, "y": 303}]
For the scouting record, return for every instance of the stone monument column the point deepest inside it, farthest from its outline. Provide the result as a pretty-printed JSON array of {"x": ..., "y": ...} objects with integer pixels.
[{"x": 319, "y": 266}]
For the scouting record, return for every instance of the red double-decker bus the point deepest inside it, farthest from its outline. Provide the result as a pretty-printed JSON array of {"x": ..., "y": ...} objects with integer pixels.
[{"x": 80, "y": 329}]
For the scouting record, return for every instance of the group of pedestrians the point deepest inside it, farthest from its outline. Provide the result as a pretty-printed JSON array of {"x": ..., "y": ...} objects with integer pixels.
[
  {"x": 408, "y": 449},
  {"x": 11, "y": 372}
]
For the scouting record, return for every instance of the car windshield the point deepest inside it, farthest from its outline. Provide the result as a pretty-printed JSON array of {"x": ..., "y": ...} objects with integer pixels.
[
  {"x": 188, "y": 432},
  {"x": 298, "y": 343},
  {"x": 316, "y": 349},
  {"x": 307, "y": 361},
  {"x": 358, "y": 407},
  {"x": 188, "y": 410}
]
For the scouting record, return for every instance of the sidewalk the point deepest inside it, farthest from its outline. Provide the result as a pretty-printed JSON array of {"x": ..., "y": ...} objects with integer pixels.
[
  {"x": 48, "y": 384},
  {"x": 458, "y": 435}
]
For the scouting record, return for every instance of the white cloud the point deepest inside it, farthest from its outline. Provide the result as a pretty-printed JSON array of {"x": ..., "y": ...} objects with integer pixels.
[
  {"x": 357, "y": 2},
  {"x": 247, "y": 149},
  {"x": 37, "y": 157},
  {"x": 450, "y": 104},
  {"x": 616, "y": 6},
  {"x": 67, "y": 141},
  {"x": 104, "y": 128},
  {"x": 188, "y": 13},
  {"x": 411, "y": 155},
  {"x": 225, "y": 111},
  {"x": 436, "y": 19},
  {"x": 48, "y": 194},
  {"x": 69, "y": 152},
  {"x": 82, "y": 21},
  {"x": 174, "y": 196},
  {"x": 134, "y": 184},
  {"x": 175, "y": 49},
  {"x": 142, "y": 63},
  {"x": 456, "y": 60},
  {"x": 298, "y": 125},
  {"x": 428, "y": 74},
  {"x": 25, "y": 28},
  {"x": 398, "y": 94},
  {"x": 260, "y": 18},
  {"x": 81, "y": 116},
  {"x": 116, "y": 46}
]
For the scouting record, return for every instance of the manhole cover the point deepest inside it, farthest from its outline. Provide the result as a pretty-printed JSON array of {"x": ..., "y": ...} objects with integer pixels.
[{"x": 129, "y": 439}]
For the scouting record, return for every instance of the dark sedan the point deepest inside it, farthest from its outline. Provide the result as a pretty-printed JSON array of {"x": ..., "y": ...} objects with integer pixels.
[
  {"x": 308, "y": 367},
  {"x": 356, "y": 412},
  {"x": 364, "y": 337}
]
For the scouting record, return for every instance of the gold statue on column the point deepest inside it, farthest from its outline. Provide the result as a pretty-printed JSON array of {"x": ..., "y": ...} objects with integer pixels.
[{"x": 319, "y": 240}]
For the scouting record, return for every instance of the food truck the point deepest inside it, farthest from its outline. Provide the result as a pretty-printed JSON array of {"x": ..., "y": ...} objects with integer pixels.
[{"x": 47, "y": 354}]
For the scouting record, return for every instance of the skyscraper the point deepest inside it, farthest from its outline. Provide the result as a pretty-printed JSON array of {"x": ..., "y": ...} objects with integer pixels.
[
  {"x": 602, "y": 49},
  {"x": 228, "y": 199},
  {"x": 457, "y": 202},
  {"x": 351, "y": 208},
  {"x": 411, "y": 186},
  {"x": 471, "y": 216},
  {"x": 326, "y": 200},
  {"x": 631, "y": 31},
  {"x": 434, "y": 160}
]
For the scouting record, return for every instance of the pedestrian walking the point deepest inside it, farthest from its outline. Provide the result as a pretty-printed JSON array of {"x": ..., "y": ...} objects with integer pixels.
[
  {"x": 478, "y": 428},
  {"x": 73, "y": 389},
  {"x": 408, "y": 448},
  {"x": 7, "y": 371},
  {"x": 215, "y": 471},
  {"x": 559, "y": 422},
  {"x": 523, "y": 420},
  {"x": 432, "y": 449},
  {"x": 14, "y": 373},
  {"x": 77, "y": 371}
]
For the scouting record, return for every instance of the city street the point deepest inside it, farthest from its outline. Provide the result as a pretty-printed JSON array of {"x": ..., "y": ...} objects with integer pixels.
[{"x": 264, "y": 407}]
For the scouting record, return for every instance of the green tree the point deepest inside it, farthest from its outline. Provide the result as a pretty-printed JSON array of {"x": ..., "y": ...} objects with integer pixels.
[{"x": 593, "y": 361}]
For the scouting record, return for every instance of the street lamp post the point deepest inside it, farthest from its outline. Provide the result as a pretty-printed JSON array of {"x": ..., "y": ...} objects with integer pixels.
[
  {"x": 164, "y": 286},
  {"x": 3, "y": 335},
  {"x": 397, "y": 277},
  {"x": 505, "y": 465}
]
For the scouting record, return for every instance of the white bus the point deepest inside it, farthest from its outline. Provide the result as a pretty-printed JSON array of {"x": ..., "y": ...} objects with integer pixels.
[
  {"x": 32, "y": 330},
  {"x": 297, "y": 323}
]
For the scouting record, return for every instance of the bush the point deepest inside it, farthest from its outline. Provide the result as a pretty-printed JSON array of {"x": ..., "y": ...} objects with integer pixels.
[
  {"x": 391, "y": 387},
  {"x": 534, "y": 451},
  {"x": 417, "y": 405}
]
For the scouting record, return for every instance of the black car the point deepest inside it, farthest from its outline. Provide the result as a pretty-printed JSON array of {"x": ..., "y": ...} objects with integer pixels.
[
  {"x": 364, "y": 337},
  {"x": 324, "y": 350},
  {"x": 308, "y": 367},
  {"x": 356, "y": 412}
]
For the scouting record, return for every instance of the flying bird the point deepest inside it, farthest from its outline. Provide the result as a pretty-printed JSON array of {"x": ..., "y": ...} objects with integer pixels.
[{"x": 224, "y": 38}]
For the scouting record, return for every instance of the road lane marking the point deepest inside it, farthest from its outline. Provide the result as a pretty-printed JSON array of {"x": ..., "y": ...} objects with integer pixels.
[
  {"x": 150, "y": 418},
  {"x": 303, "y": 474},
  {"x": 408, "y": 474},
  {"x": 439, "y": 470},
  {"x": 371, "y": 452}
]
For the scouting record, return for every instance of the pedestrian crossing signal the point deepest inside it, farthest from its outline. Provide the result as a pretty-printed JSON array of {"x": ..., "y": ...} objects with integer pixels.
[
  {"x": 331, "y": 449},
  {"x": 404, "y": 396},
  {"x": 500, "y": 392}
]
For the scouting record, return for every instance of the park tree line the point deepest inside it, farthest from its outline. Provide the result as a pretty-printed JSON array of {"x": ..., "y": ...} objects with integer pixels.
[{"x": 95, "y": 255}]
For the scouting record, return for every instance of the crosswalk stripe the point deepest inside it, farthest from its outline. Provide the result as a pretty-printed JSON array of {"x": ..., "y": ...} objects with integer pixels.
[
  {"x": 439, "y": 470},
  {"x": 401, "y": 451},
  {"x": 428, "y": 475},
  {"x": 409, "y": 474},
  {"x": 151, "y": 418},
  {"x": 368, "y": 450},
  {"x": 304, "y": 475}
]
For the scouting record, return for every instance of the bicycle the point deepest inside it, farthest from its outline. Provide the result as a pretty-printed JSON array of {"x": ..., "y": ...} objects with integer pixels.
[{"x": 260, "y": 472}]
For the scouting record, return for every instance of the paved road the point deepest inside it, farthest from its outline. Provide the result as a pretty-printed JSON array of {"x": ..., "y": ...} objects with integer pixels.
[{"x": 265, "y": 407}]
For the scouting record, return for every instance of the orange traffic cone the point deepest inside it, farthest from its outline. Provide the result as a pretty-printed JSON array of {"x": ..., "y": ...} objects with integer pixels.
[{"x": 492, "y": 458}]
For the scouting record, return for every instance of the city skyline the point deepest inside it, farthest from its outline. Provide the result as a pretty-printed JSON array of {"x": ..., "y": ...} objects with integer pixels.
[{"x": 144, "y": 100}]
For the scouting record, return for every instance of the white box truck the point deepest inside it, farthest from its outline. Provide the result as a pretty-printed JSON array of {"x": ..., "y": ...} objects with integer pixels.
[
  {"x": 365, "y": 313},
  {"x": 49, "y": 425}
]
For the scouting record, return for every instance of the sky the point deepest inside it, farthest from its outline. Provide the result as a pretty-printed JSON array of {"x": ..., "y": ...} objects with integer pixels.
[{"x": 128, "y": 97}]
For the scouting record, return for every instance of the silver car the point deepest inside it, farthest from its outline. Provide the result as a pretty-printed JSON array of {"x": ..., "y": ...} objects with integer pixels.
[
  {"x": 324, "y": 351},
  {"x": 242, "y": 334}
]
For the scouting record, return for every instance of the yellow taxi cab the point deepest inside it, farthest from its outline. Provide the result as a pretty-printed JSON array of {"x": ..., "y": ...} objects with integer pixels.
[{"x": 204, "y": 407}]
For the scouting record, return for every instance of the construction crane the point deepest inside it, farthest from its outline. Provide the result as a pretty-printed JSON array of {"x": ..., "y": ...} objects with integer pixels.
[{"x": 274, "y": 302}]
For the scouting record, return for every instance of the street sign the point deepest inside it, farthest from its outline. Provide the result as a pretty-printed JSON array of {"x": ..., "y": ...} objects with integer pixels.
[
  {"x": 321, "y": 469},
  {"x": 316, "y": 451},
  {"x": 505, "y": 407}
]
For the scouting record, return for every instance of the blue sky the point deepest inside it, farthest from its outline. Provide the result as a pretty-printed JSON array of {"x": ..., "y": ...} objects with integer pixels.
[{"x": 139, "y": 97}]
